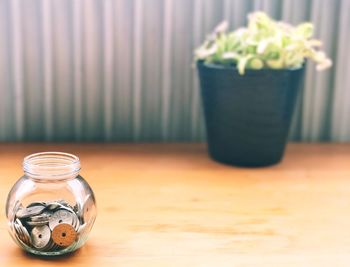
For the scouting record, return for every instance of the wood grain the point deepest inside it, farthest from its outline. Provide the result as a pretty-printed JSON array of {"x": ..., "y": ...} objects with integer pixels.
[{"x": 170, "y": 205}]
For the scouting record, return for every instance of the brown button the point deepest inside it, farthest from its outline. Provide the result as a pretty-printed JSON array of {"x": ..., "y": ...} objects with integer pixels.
[{"x": 64, "y": 235}]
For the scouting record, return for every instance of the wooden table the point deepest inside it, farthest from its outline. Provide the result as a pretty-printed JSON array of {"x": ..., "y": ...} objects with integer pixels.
[{"x": 170, "y": 205}]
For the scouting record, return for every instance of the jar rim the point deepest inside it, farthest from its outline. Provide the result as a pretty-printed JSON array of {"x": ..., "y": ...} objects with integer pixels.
[{"x": 51, "y": 165}]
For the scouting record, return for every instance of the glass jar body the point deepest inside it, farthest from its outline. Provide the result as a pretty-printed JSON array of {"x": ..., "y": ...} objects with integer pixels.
[{"x": 50, "y": 216}]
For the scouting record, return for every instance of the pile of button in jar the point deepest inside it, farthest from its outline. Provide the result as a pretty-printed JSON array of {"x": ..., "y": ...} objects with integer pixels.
[{"x": 50, "y": 226}]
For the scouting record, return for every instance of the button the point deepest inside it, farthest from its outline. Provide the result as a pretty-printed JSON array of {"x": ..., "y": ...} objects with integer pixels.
[
  {"x": 41, "y": 236},
  {"x": 88, "y": 208},
  {"x": 64, "y": 235},
  {"x": 60, "y": 216},
  {"x": 31, "y": 211}
]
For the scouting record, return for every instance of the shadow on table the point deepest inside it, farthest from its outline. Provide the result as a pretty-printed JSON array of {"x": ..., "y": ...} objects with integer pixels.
[{"x": 58, "y": 258}]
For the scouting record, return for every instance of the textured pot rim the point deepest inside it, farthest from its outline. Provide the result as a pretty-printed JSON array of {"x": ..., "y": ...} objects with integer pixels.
[{"x": 213, "y": 66}]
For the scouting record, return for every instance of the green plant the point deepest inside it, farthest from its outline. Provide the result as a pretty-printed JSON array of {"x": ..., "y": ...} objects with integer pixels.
[{"x": 264, "y": 43}]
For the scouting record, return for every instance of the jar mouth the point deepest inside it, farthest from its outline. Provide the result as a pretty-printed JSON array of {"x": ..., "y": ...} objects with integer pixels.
[{"x": 51, "y": 166}]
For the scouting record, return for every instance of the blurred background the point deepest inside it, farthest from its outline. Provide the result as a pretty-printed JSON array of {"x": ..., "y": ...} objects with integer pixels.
[{"x": 122, "y": 70}]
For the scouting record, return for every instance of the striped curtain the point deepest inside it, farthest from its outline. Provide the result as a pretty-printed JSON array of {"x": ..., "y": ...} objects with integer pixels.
[{"x": 121, "y": 70}]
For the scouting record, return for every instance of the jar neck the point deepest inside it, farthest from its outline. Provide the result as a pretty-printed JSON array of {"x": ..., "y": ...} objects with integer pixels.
[{"x": 51, "y": 166}]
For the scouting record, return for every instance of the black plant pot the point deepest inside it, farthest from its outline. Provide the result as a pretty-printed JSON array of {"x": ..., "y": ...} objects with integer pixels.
[{"x": 248, "y": 116}]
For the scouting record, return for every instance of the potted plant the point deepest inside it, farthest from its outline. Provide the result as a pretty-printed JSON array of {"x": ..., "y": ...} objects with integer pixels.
[{"x": 249, "y": 81}]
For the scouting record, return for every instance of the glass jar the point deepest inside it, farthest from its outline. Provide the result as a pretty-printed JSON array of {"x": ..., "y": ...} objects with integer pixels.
[{"x": 51, "y": 209}]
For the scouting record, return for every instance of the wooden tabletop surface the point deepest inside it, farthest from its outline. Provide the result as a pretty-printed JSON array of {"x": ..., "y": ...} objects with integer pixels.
[{"x": 170, "y": 205}]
